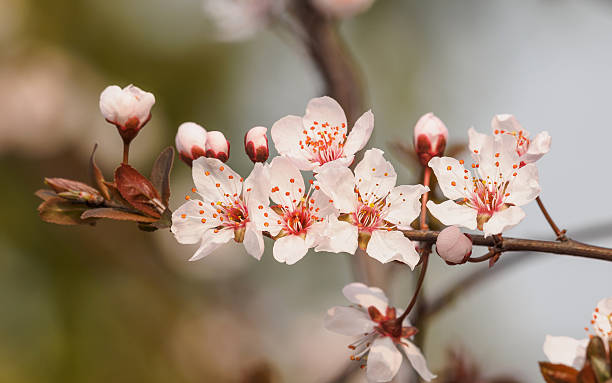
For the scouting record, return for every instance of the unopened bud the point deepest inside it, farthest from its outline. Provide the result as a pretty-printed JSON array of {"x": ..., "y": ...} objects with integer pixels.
[
  {"x": 190, "y": 142},
  {"x": 256, "y": 144},
  {"x": 129, "y": 109},
  {"x": 453, "y": 246},
  {"x": 430, "y": 135},
  {"x": 217, "y": 146}
]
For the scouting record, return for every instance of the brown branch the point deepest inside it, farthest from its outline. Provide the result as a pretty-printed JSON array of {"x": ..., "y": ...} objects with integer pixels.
[{"x": 560, "y": 233}]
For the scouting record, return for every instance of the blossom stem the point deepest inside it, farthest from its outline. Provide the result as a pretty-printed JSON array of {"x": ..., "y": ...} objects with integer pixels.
[
  {"x": 426, "y": 181},
  {"x": 560, "y": 233},
  {"x": 425, "y": 259},
  {"x": 126, "y": 152},
  {"x": 486, "y": 257}
]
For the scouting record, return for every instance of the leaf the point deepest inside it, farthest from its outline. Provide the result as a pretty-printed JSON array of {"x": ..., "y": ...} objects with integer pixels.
[
  {"x": 165, "y": 221},
  {"x": 586, "y": 375},
  {"x": 160, "y": 174},
  {"x": 63, "y": 212},
  {"x": 558, "y": 373},
  {"x": 598, "y": 358},
  {"x": 63, "y": 185},
  {"x": 96, "y": 175},
  {"x": 138, "y": 191},
  {"x": 116, "y": 214},
  {"x": 45, "y": 194}
]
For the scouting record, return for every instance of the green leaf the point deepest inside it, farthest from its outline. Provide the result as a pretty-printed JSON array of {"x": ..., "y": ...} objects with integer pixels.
[
  {"x": 138, "y": 191},
  {"x": 63, "y": 212},
  {"x": 160, "y": 174},
  {"x": 558, "y": 373},
  {"x": 96, "y": 175},
  {"x": 116, "y": 214}
]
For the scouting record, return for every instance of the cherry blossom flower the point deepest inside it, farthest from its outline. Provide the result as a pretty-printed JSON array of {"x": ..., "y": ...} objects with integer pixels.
[
  {"x": 430, "y": 135},
  {"x": 190, "y": 142},
  {"x": 529, "y": 151},
  {"x": 256, "y": 144},
  {"x": 225, "y": 210},
  {"x": 299, "y": 218},
  {"x": 572, "y": 352},
  {"x": 217, "y": 146},
  {"x": 320, "y": 136},
  {"x": 489, "y": 198},
  {"x": 373, "y": 210},
  {"x": 381, "y": 338},
  {"x": 342, "y": 8},
  {"x": 129, "y": 109}
]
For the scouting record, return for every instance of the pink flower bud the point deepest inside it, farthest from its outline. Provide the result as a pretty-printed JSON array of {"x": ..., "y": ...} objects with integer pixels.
[
  {"x": 217, "y": 146},
  {"x": 190, "y": 142},
  {"x": 256, "y": 144},
  {"x": 430, "y": 136},
  {"x": 129, "y": 109},
  {"x": 453, "y": 246}
]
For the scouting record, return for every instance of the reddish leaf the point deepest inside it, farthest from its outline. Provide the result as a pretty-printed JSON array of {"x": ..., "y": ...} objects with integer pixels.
[
  {"x": 138, "y": 191},
  {"x": 586, "y": 375},
  {"x": 62, "y": 185},
  {"x": 45, "y": 194},
  {"x": 62, "y": 212},
  {"x": 117, "y": 214},
  {"x": 160, "y": 174},
  {"x": 96, "y": 175},
  {"x": 558, "y": 373}
]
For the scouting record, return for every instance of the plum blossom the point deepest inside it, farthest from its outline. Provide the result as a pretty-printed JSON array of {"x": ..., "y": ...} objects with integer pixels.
[
  {"x": 342, "y": 8},
  {"x": 256, "y": 144},
  {"x": 320, "y": 137},
  {"x": 129, "y": 109},
  {"x": 299, "y": 218},
  {"x": 489, "y": 198},
  {"x": 217, "y": 146},
  {"x": 225, "y": 210},
  {"x": 529, "y": 151},
  {"x": 430, "y": 135},
  {"x": 373, "y": 210},
  {"x": 572, "y": 352},
  {"x": 453, "y": 246},
  {"x": 381, "y": 339},
  {"x": 190, "y": 142}
]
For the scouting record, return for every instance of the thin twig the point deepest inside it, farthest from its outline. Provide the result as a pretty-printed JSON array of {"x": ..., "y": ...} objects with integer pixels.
[
  {"x": 425, "y": 258},
  {"x": 558, "y": 232},
  {"x": 490, "y": 254},
  {"x": 426, "y": 179}
]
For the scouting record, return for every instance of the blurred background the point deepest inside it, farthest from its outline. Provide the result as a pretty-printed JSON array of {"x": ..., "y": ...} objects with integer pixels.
[{"x": 112, "y": 303}]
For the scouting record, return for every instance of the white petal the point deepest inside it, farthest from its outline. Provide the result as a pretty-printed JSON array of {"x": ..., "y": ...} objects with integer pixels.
[
  {"x": 451, "y": 213},
  {"x": 500, "y": 156},
  {"x": 321, "y": 205},
  {"x": 342, "y": 162},
  {"x": 212, "y": 240},
  {"x": 375, "y": 176},
  {"x": 525, "y": 187},
  {"x": 253, "y": 241},
  {"x": 285, "y": 134},
  {"x": 506, "y": 122},
  {"x": 289, "y": 249},
  {"x": 339, "y": 237},
  {"x": 386, "y": 246},
  {"x": 384, "y": 360},
  {"x": 188, "y": 135},
  {"x": 503, "y": 220},
  {"x": 603, "y": 321},
  {"x": 322, "y": 110},
  {"x": 416, "y": 358},
  {"x": 404, "y": 205},
  {"x": 360, "y": 134},
  {"x": 109, "y": 99},
  {"x": 265, "y": 218},
  {"x": 286, "y": 181},
  {"x": 451, "y": 176},
  {"x": 187, "y": 225},
  {"x": 565, "y": 350},
  {"x": 539, "y": 146},
  {"x": 215, "y": 181},
  {"x": 257, "y": 186},
  {"x": 348, "y": 321},
  {"x": 339, "y": 184},
  {"x": 365, "y": 296},
  {"x": 478, "y": 140}
]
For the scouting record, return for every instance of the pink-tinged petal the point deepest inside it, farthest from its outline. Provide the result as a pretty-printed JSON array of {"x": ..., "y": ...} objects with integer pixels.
[
  {"x": 539, "y": 146},
  {"x": 348, "y": 321},
  {"x": 109, "y": 103},
  {"x": 384, "y": 360},
  {"x": 505, "y": 122},
  {"x": 603, "y": 318},
  {"x": 360, "y": 134},
  {"x": 451, "y": 213},
  {"x": 339, "y": 184},
  {"x": 503, "y": 220},
  {"x": 289, "y": 249},
  {"x": 253, "y": 241},
  {"x": 477, "y": 141},
  {"x": 265, "y": 218},
  {"x": 386, "y": 246},
  {"x": 214, "y": 180},
  {"x": 256, "y": 187},
  {"x": 525, "y": 187},
  {"x": 417, "y": 360},
  {"x": 342, "y": 162},
  {"x": 565, "y": 350},
  {"x": 286, "y": 182},
  {"x": 190, "y": 136},
  {"x": 339, "y": 237},
  {"x": 323, "y": 110},
  {"x": 321, "y": 205},
  {"x": 286, "y": 134},
  {"x": 211, "y": 241},
  {"x": 365, "y": 296},
  {"x": 315, "y": 233},
  {"x": 454, "y": 180},
  {"x": 500, "y": 157},
  {"x": 187, "y": 224},
  {"x": 403, "y": 205},
  {"x": 375, "y": 176}
]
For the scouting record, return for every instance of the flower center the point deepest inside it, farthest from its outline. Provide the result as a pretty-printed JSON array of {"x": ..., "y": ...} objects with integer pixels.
[
  {"x": 323, "y": 142},
  {"x": 522, "y": 142},
  {"x": 368, "y": 217},
  {"x": 234, "y": 214}
]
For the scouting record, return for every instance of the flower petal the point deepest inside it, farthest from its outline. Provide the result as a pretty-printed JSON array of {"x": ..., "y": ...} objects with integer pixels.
[
  {"x": 348, "y": 321},
  {"x": 187, "y": 224},
  {"x": 339, "y": 237},
  {"x": 384, "y": 360},
  {"x": 265, "y": 218},
  {"x": 525, "y": 187},
  {"x": 565, "y": 350},
  {"x": 416, "y": 358},
  {"x": 212, "y": 240},
  {"x": 375, "y": 176},
  {"x": 257, "y": 186},
  {"x": 253, "y": 241},
  {"x": 451, "y": 213},
  {"x": 386, "y": 246},
  {"x": 285, "y": 134},
  {"x": 289, "y": 249},
  {"x": 404, "y": 205},
  {"x": 365, "y": 296},
  {"x": 339, "y": 184},
  {"x": 360, "y": 134},
  {"x": 451, "y": 176},
  {"x": 286, "y": 182},
  {"x": 323, "y": 110},
  {"x": 539, "y": 146},
  {"x": 503, "y": 220},
  {"x": 603, "y": 318},
  {"x": 214, "y": 180}
]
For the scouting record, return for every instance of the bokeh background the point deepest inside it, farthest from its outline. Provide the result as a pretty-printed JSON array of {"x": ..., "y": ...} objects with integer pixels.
[{"x": 112, "y": 303}]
